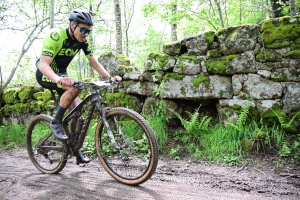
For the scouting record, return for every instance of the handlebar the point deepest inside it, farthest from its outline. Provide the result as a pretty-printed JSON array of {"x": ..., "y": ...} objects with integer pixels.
[{"x": 80, "y": 85}]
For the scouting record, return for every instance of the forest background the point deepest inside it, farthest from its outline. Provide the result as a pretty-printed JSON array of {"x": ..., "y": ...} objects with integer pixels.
[{"x": 129, "y": 27}]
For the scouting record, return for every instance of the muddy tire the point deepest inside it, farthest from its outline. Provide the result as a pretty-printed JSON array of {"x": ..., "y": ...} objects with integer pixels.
[
  {"x": 44, "y": 150},
  {"x": 137, "y": 161}
]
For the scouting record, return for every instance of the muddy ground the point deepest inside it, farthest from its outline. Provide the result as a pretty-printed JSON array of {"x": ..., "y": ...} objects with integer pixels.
[{"x": 184, "y": 179}]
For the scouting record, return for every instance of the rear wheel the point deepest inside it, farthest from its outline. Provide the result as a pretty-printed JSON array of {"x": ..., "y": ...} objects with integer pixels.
[
  {"x": 136, "y": 162},
  {"x": 44, "y": 150}
]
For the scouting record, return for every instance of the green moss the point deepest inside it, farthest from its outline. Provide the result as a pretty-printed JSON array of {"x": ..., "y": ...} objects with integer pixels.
[
  {"x": 182, "y": 90},
  {"x": 19, "y": 108},
  {"x": 181, "y": 65},
  {"x": 280, "y": 76},
  {"x": 173, "y": 76},
  {"x": 27, "y": 93},
  {"x": 160, "y": 59},
  {"x": 123, "y": 58},
  {"x": 200, "y": 79},
  {"x": 229, "y": 58},
  {"x": 269, "y": 117},
  {"x": 126, "y": 68},
  {"x": 37, "y": 106},
  {"x": 280, "y": 29},
  {"x": 209, "y": 37},
  {"x": 220, "y": 65},
  {"x": 269, "y": 56},
  {"x": 221, "y": 93},
  {"x": 278, "y": 45},
  {"x": 213, "y": 53},
  {"x": 109, "y": 54},
  {"x": 191, "y": 58},
  {"x": 260, "y": 56},
  {"x": 217, "y": 67},
  {"x": 127, "y": 83},
  {"x": 122, "y": 99},
  {"x": 46, "y": 96},
  {"x": 236, "y": 107},
  {"x": 293, "y": 54},
  {"x": 10, "y": 96}
]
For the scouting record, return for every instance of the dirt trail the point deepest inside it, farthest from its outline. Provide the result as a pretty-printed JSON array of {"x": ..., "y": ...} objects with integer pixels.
[{"x": 176, "y": 180}]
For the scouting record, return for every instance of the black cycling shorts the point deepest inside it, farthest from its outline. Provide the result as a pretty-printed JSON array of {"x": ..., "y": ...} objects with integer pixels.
[{"x": 48, "y": 84}]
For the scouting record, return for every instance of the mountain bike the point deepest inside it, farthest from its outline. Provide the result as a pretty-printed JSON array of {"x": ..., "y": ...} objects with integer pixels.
[{"x": 125, "y": 143}]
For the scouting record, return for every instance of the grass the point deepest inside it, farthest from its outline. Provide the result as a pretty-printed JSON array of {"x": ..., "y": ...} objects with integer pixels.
[
  {"x": 12, "y": 137},
  {"x": 197, "y": 138}
]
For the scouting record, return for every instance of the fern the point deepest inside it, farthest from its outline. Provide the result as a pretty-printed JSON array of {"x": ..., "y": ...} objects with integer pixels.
[
  {"x": 194, "y": 125},
  {"x": 242, "y": 118},
  {"x": 282, "y": 121}
]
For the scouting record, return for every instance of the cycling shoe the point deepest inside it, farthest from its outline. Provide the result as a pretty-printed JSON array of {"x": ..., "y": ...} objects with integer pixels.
[
  {"x": 82, "y": 158},
  {"x": 58, "y": 131}
]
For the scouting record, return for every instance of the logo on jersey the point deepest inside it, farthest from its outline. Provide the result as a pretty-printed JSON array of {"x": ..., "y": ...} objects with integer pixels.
[
  {"x": 68, "y": 52},
  {"x": 47, "y": 53},
  {"x": 54, "y": 36}
]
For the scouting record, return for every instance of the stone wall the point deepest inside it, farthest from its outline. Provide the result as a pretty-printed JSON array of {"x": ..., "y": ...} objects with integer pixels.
[
  {"x": 223, "y": 71},
  {"x": 256, "y": 65}
]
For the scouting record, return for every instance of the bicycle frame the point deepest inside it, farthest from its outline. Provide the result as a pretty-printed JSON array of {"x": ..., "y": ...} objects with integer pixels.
[{"x": 95, "y": 100}]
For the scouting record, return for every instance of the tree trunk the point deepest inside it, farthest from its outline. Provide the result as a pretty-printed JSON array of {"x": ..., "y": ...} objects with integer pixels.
[
  {"x": 220, "y": 12},
  {"x": 277, "y": 7},
  {"x": 128, "y": 14},
  {"x": 90, "y": 68},
  {"x": 118, "y": 27},
  {"x": 51, "y": 13},
  {"x": 174, "y": 25},
  {"x": 293, "y": 8}
]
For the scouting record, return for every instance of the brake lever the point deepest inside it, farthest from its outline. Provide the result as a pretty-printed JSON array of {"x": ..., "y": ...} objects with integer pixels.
[{"x": 79, "y": 85}]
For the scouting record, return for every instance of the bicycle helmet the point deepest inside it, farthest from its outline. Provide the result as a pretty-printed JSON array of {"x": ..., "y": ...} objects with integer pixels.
[{"x": 81, "y": 16}]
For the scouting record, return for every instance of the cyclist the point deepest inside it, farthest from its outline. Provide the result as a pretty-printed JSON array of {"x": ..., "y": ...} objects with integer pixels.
[{"x": 59, "y": 48}]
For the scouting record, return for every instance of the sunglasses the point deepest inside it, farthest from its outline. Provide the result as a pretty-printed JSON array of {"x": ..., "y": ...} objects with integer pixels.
[{"x": 84, "y": 30}]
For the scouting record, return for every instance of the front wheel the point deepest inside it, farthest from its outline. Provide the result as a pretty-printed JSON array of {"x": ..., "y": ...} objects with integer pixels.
[
  {"x": 44, "y": 150},
  {"x": 137, "y": 159}
]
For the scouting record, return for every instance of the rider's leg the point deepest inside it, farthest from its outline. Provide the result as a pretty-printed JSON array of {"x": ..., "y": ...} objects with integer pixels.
[
  {"x": 65, "y": 101},
  {"x": 82, "y": 158},
  {"x": 75, "y": 103}
]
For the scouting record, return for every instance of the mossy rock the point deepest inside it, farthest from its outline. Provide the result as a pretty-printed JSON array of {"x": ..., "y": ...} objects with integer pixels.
[
  {"x": 219, "y": 65},
  {"x": 27, "y": 93},
  {"x": 50, "y": 105},
  {"x": 122, "y": 99},
  {"x": 37, "y": 106},
  {"x": 158, "y": 60},
  {"x": 270, "y": 116},
  {"x": 11, "y": 96},
  {"x": 281, "y": 29},
  {"x": 46, "y": 96},
  {"x": 174, "y": 76},
  {"x": 293, "y": 54}
]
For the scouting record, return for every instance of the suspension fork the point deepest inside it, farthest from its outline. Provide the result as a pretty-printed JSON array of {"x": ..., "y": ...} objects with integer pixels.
[{"x": 117, "y": 145}]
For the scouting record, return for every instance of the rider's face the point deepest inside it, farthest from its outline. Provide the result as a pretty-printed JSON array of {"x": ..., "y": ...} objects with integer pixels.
[{"x": 81, "y": 31}]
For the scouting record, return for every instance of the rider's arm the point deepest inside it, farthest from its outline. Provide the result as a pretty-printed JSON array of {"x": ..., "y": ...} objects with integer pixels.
[
  {"x": 98, "y": 67},
  {"x": 46, "y": 69},
  {"x": 101, "y": 70}
]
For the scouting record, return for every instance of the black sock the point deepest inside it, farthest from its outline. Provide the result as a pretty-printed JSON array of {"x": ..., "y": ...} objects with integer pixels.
[{"x": 59, "y": 114}]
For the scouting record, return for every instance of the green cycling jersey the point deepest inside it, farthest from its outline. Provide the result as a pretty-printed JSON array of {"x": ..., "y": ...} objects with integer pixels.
[{"x": 62, "y": 48}]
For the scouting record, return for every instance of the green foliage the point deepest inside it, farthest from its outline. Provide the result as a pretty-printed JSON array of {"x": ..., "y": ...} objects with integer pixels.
[
  {"x": 195, "y": 126},
  {"x": 158, "y": 123},
  {"x": 241, "y": 120},
  {"x": 287, "y": 126},
  {"x": 13, "y": 136}
]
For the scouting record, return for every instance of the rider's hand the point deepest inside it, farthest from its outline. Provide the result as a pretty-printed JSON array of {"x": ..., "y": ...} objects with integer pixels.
[
  {"x": 117, "y": 78},
  {"x": 66, "y": 81}
]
